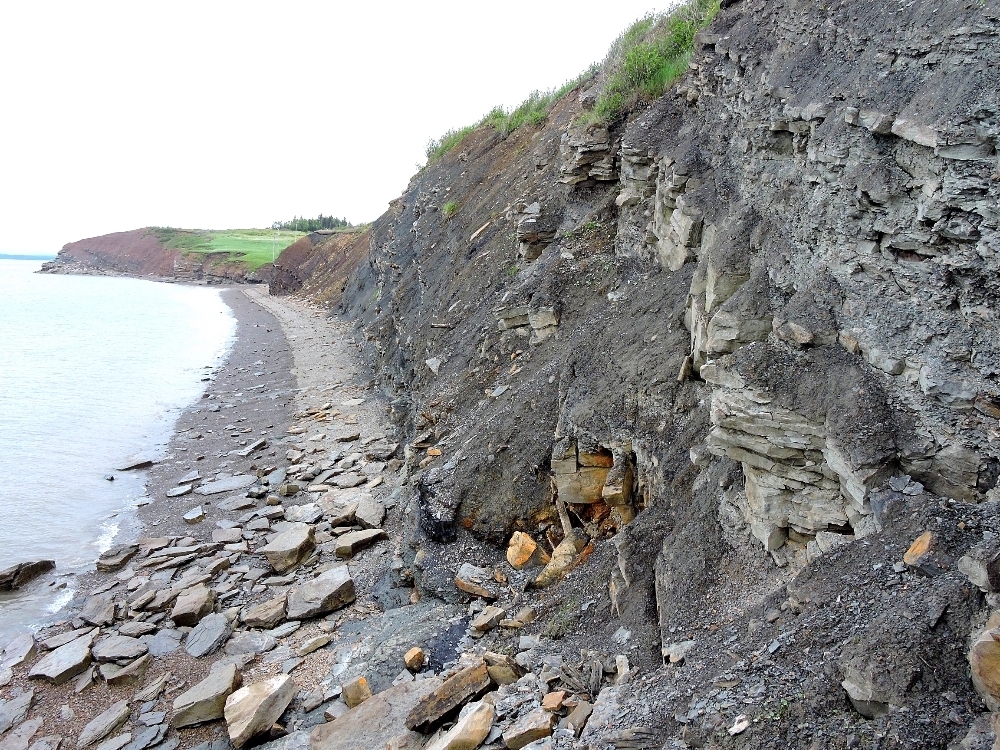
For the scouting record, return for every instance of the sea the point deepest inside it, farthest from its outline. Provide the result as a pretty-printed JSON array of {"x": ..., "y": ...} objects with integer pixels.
[{"x": 93, "y": 370}]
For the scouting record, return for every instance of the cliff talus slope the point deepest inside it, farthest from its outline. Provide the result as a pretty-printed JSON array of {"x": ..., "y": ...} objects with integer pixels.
[{"x": 738, "y": 352}]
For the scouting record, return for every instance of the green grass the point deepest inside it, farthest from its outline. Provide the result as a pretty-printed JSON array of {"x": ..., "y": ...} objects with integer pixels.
[
  {"x": 449, "y": 209},
  {"x": 649, "y": 57},
  {"x": 532, "y": 111},
  {"x": 252, "y": 247}
]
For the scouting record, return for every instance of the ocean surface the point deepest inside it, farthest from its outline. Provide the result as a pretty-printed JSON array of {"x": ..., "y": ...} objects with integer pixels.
[{"x": 93, "y": 370}]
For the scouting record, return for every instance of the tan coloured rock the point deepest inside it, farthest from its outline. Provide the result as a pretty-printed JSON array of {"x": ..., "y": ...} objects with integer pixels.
[
  {"x": 349, "y": 544},
  {"x": 254, "y": 708},
  {"x": 473, "y": 580},
  {"x": 206, "y": 701},
  {"x": 469, "y": 731},
  {"x": 290, "y": 548},
  {"x": 192, "y": 605},
  {"x": 457, "y": 689},
  {"x": 583, "y": 486},
  {"x": 530, "y": 727},
  {"x": 356, "y": 692},
  {"x": 503, "y": 670},
  {"x": 523, "y": 552},
  {"x": 488, "y": 619},
  {"x": 267, "y": 614},
  {"x": 326, "y": 592},
  {"x": 414, "y": 659},
  {"x": 563, "y": 558}
]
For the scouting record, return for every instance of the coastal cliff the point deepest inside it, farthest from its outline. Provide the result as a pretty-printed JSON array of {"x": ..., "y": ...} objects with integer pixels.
[
  {"x": 748, "y": 338},
  {"x": 165, "y": 253},
  {"x": 644, "y": 418}
]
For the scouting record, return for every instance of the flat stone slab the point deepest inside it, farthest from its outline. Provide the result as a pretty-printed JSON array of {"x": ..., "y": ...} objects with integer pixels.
[
  {"x": 184, "y": 489},
  {"x": 19, "y": 650},
  {"x": 376, "y": 721},
  {"x": 18, "y": 575},
  {"x": 325, "y": 593},
  {"x": 290, "y": 548},
  {"x": 118, "y": 648},
  {"x": 64, "y": 663},
  {"x": 230, "y": 484},
  {"x": 206, "y": 701},
  {"x": 15, "y": 710},
  {"x": 135, "y": 462},
  {"x": 104, "y": 724},
  {"x": 352, "y": 542},
  {"x": 250, "y": 643},
  {"x": 164, "y": 642},
  {"x": 208, "y": 635},
  {"x": 98, "y": 610}
]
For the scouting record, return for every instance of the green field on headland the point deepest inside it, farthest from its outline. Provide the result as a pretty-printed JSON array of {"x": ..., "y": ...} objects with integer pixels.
[{"x": 253, "y": 247}]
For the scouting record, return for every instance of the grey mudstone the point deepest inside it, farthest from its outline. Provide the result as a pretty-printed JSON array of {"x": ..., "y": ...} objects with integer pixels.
[
  {"x": 17, "y": 651},
  {"x": 206, "y": 701},
  {"x": 65, "y": 662},
  {"x": 135, "y": 628},
  {"x": 15, "y": 710},
  {"x": 290, "y": 548},
  {"x": 352, "y": 542},
  {"x": 208, "y": 635},
  {"x": 370, "y": 512},
  {"x": 227, "y": 485},
  {"x": 118, "y": 648},
  {"x": 104, "y": 724},
  {"x": 249, "y": 642},
  {"x": 325, "y": 593},
  {"x": 147, "y": 737},
  {"x": 164, "y": 642},
  {"x": 98, "y": 610}
]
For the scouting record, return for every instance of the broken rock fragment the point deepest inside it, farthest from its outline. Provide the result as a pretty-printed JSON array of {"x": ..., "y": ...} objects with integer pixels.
[
  {"x": 523, "y": 552},
  {"x": 206, "y": 701},
  {"x": 472, "y": 727},
  {"x": 325, "y": 593},
  {"x": 530, "y": 727},
  {"x": 104, "y": 724},
  {"x": 457, "y": 689},
  {"x": 474, "y": 580},
  {"x": 254, "y": 708},
  {"x": 290, "y": 548}
]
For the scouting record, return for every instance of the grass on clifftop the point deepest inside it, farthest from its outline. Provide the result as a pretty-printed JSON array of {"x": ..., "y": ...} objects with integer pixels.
[
  {"x": 532, "y": 111},
  {"x": 649, "y": 57},
  {"x": 641, "y": 65},
  {"x": 252, "y": 247}
]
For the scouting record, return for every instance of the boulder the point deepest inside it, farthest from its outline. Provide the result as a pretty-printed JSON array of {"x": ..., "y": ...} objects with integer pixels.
[
  {"x": 290, "y": 548},
  {"x": 356, "y": 692},
  {"x": 325, "y": 593},
  {"x": 20, "y": 574},
  {"x": 192, "y": 605},
  {"x": 370, "y": 513},
  {"x": 254, "y": 708},
  {"x": 456, "y": 690},
  {"x": 65, "y": 662},
  {"x": 195, "y": 515},
  {"x": 229, "y": 484},
  {"x": 267, "y": 614},
  {"x": 206, "y": 701},
  {"x": 352, "y": 542},
  {"x": 563, "y": 557},
  {"x": 208, "y": 635},
  {"x": 116, "y": 558},
  {"x": 984, "y": 661},
  {"x": 468, "y": 733},
  {"x": 115, "y": 675},
  {"x": 377, "y": 721},
  {"x": 532, "y": 726},
  {"x": 523, "y": 552},
  {"x": 118, "y": 648},
  {"x": 104, "y": 724}
]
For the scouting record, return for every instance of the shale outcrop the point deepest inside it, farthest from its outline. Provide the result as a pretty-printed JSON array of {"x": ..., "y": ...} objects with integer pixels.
[{"x": 725, "y": 361}]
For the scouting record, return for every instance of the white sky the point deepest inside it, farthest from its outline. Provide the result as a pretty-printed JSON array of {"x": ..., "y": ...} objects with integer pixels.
[{"x": 223, "y": 114}]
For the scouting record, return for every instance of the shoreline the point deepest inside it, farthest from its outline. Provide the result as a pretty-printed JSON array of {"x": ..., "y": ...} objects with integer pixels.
[{"x": 265, "y": 379}]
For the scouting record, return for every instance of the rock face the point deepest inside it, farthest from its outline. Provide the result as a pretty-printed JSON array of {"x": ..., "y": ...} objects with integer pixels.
[
  {"x": 206, "y": 701},
  {"x": 254, "y": 708},
  {"x": 325, "y": 593}
]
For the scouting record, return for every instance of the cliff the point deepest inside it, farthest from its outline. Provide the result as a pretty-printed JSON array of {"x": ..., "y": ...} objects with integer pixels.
[
  {"x": 191, "y": 255},
  {"x": 741, "y": 351}
]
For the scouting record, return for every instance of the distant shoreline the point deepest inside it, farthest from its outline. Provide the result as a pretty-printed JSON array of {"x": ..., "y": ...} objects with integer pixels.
[{"x": 10, "y": 256}]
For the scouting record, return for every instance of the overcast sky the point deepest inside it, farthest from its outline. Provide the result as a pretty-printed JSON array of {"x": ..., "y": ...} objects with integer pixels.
[{"x": 224, "y": 115}]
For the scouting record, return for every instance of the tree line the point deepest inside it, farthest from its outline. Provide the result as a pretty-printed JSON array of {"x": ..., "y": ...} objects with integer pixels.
[{"x": 302, "y": 224}]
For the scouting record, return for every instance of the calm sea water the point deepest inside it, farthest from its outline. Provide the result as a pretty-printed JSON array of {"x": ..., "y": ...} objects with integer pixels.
[{"x": 92, "y": 370}]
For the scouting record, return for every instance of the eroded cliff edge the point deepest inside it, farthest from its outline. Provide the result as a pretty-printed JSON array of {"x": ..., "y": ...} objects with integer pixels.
[{"x": 749, "y": 338}]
